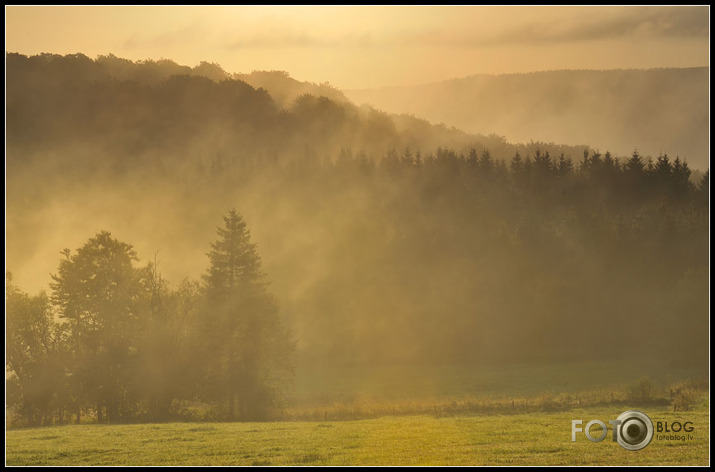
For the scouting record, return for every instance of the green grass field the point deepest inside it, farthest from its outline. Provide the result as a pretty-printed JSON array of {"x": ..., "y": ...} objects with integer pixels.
[
  {"x": 438, "y": 415},
  {"x": 518, "y": 439}
]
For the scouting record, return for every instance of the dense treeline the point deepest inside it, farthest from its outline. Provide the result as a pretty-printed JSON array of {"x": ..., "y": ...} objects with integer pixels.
[
  {"x": 116, "y": 342},
  {"x": 383, "y": 247},
  {"x": 467, "y": 259}
]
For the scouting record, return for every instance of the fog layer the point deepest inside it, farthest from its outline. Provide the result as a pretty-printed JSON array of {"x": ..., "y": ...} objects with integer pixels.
[
  {"x": 656, "y": 111},
  {"x": 385, "y": 238}
]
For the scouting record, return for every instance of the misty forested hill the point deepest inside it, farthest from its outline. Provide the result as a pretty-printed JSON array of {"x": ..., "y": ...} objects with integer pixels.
[
  {"x": 385, "y": 238},
  {"x": 285, "y": 89},
  {"x": 656, "y": 111},
  {"x": 152, "y": 109}
]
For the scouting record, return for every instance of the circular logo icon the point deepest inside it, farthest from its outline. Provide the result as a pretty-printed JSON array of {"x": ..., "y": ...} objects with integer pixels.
[{"x": 635, "y": 430}]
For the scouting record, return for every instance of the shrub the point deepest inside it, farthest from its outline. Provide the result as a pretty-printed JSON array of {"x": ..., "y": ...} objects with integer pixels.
[{"x": 642, "y": 390}]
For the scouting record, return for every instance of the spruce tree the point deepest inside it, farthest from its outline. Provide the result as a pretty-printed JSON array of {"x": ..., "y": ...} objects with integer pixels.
[{"x": 248, "y": 344}]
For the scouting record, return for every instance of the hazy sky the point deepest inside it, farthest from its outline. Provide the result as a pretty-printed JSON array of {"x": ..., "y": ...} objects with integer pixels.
[{"x": 369, "y": 46}]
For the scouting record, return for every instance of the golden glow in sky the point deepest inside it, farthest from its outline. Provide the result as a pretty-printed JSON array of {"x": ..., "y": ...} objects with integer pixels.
[{"x": 371, "y": 46}]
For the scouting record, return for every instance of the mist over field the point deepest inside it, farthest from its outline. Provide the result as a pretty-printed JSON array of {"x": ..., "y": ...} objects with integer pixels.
[{"x": 373, "y": 239}]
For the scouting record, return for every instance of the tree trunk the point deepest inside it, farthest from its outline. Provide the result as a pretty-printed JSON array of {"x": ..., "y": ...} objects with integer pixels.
[
  {"x": 99, "y": 412},
  {"x": 165, "y": 407},
  {"x": 231, "y": 404},
  {"x": 243, "y": 406},
  {"x": 231, "y": 389},
  {"x": 112, "y": 411}
]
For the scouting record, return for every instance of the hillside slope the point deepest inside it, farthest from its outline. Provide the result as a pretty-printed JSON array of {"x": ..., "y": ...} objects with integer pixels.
[{"x": 656, "y": 111}]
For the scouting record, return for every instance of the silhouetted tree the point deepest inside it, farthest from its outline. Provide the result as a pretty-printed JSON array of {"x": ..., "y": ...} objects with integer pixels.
[
  {"x": 565, "y": 166},
  {"x": 486, "y": 163},
  {"x": 169, "y": 360},
  {"x": 662, "y": 172},
  {"x": 681, "y": 184},
  {"x": 703, "y": 189},
  {"x": 250, "y": 348},
  {"x": 98, "y": 292},
  {"x": 33, "y": 354},
  {"x": 517, "y": 165}
]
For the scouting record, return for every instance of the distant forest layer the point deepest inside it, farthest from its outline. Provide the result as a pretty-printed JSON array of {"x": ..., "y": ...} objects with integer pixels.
[
  {"x": 384, "y": 237},
  {"x": 656, "y": 110}
]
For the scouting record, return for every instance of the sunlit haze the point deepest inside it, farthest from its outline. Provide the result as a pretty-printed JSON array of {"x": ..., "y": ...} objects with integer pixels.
[
  {"x": 372, "y": 46},
  {"x": 357, "y": 235}
]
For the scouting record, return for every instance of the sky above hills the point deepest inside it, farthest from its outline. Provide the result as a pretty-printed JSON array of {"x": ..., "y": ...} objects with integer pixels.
[{"x": 372, "y": 46}]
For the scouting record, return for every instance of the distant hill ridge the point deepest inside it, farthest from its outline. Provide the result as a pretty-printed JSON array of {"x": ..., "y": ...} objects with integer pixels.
[
  {"x": 159, "y": 112},
  {"x": 655, "y": 110},
  {"x": 283, "y": 88}
]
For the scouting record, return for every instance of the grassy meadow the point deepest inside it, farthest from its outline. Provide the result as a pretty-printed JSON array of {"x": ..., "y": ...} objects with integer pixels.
[
  {"x": 390, "y": 416},
  {"x": 519, "y": 439}
]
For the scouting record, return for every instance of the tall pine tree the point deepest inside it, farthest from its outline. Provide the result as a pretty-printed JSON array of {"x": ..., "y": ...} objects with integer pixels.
[{"x": 249, "y": 346}]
